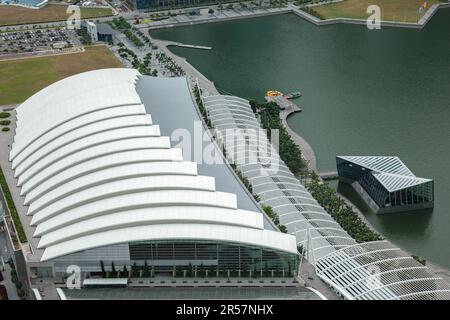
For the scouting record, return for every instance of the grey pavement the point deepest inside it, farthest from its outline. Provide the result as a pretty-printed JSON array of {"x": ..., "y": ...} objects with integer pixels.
[
  {"x": 6, "y": 139},
  {"x": 6, "y": 269},
  {"x": 192, "y": 293},
  {"x": 308, "y": 274},
  {"x": 307, "y": 151}
]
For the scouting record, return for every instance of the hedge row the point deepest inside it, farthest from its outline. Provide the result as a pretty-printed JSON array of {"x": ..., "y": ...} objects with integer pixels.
[{"x": 12, "y": 208}]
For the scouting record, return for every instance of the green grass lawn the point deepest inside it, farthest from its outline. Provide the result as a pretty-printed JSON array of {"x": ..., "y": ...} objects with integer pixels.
[
  {"x": 391, "y": 10},
  {"x": 20, "y": 79},
  {"x": 11, "y": 15}
]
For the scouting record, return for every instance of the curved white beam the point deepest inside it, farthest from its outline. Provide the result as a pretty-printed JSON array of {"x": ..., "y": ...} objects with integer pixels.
[
  {"x": 260, "y": 238},
  {"x": 156, "y": 215},
  {"x": 133, "y": 155},
  {"x": 46, "y": 194},
  {"x": 106, "y": 148},
  {"x": 139, "y": 200},
  {"x": 121, "y": 187}
]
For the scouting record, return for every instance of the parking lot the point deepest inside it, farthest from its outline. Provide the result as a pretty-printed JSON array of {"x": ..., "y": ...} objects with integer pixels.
[{"x": 38, "y": 42}]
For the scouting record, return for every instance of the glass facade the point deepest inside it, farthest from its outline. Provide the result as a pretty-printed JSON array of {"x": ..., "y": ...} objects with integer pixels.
[
  {"x": 169, "y": 4},
  {"x": 214, "y": 259},
  {"x": 412, "y": 196}
]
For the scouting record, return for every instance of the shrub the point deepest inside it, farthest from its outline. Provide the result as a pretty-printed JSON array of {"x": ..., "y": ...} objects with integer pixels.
[
  {"x": 5, "y": 115},
  {"x": 3, "y": 293},
  {"x": 5, "y": 122},
  {"x": 11, "y": 206},
  {"x": 289, "y": 151},
  {"x": 341, "y": 212},
  {"x": 21, "y": 293},
  {"x": 5, "y": 129}
]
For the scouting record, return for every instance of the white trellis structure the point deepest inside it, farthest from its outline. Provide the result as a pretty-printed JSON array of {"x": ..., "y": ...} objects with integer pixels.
[{"x": 372, "y": 270}]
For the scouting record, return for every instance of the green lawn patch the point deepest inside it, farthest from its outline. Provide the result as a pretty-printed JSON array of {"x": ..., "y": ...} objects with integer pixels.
[
  {"x": 20, "y": 79},
  {"x": 391, "y": 10},
  {"x": 13, "y": 15}
]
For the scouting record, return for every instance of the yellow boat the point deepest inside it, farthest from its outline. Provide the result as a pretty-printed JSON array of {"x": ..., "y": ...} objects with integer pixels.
[{"x": 273, "y": 93}]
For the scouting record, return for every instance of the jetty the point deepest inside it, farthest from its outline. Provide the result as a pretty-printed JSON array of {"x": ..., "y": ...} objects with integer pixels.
[
  {"x": 283, "y": 102},
  {"x": 183, "y": 45}
]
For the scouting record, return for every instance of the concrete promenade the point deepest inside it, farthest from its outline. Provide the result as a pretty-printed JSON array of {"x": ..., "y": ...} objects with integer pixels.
[
  {"x": 219, "y": 16},
  {"x": 306, "y": 149},
  {"x": 396, "y": 24},
  {"x": 6, "y": 139},
  {"x": 192, "y": 73},
  {"x": 226, "y": 15},
  {"x": 229, "y": 15}
]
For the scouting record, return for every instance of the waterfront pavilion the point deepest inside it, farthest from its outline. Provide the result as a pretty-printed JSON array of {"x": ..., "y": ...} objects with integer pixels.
[{"x": 385, "y": 183}]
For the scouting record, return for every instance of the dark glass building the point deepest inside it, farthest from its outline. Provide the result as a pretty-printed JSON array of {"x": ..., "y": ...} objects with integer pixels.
[
  {"x": 385, "y": 183},
  {"x": 169, "y": 4}
]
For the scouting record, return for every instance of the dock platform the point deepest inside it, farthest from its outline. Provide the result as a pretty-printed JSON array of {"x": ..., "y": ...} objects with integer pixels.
[
  {"x": 283, "y": 103},
  {"x": 184, "y": 45}
]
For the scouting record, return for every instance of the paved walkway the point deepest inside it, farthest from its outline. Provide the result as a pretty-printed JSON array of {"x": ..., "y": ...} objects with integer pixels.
[
  {"x": 192, "y": 293},
  {"x": 207, "y": 85},
  {"x": 305, "y": 147},
  {"x": 222, "y": 15},
  {"x": 308, "y": 274},
  {"x": 6, "y": 139},
  {"x": 6, "y": 269}
]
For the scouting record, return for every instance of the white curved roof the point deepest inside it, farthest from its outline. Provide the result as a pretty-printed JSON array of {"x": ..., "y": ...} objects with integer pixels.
[
  {"x": 95, "y": 171},
  {"x": 372, "y": 270},
  {"x": 276, "y": 186},
  {"x": 391, "y": 172},
  {"x": 378, "y": 271}
]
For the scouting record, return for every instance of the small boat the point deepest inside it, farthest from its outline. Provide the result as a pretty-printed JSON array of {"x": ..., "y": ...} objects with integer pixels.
[
  {"x": 293, "y": 95},
  {"x": 273, "y": 93}
]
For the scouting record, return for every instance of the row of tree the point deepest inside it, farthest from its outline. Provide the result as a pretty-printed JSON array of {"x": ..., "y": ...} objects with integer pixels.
[
  {"x": 274, "y": 217},
  {"x": 326, "y": 196},
  {"x": 12, "y": 208},
  {"x": 170, "y": 65},
  {"x": 146, "y": 271},
  {"x": 14, "y": 278},
  {"x": 121, "y": 24},
  {"x": 342, "y": 212},
  {"x": 133, "y": 38},
  {"x": 269, "y": 114}
]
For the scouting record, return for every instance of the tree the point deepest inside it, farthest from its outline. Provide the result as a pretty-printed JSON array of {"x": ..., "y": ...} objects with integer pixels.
[
  {"x": 134, "y": 270},
  {"x": 125, "y": 271},
  {"x": 102, "y": 266},
  {"x": 211, "y": 11},
  {"x": 146, "y": 270},
  {"x": 113, "y": 270}
]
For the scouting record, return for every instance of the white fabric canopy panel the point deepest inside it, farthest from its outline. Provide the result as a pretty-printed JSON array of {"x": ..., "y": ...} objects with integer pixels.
[{"x": 340, "y": 261}]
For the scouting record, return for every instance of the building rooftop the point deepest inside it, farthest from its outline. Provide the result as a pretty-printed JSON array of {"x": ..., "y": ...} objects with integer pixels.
[
  {"x": 95, "y": 170},
  {"x": 391, "y": 172}
]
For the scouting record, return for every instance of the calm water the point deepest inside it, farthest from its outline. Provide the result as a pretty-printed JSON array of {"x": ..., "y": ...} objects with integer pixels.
[{"x": 365, "y": 92}]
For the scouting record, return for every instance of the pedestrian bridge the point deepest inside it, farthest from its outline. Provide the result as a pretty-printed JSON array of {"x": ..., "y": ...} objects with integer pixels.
[{"x": 331, "y": 175}]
